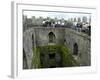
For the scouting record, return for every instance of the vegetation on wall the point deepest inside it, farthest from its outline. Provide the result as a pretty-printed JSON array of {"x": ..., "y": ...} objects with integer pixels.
[
  {"x": 36, "y": 59},
  {"x": 67, "y": 59}
]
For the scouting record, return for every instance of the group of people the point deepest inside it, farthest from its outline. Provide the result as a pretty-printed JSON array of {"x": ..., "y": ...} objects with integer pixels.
[
  {"x": 78, "y": 26},
  {"x": 53, "y": 24},
  {"x": 83, "y": 27}
]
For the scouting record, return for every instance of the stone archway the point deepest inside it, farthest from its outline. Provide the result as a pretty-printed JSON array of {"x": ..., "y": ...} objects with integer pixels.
[
  {"x": 32, "y": 40},
  {"x": 52, "y": 37},
  {"x": 75, "y": 49}
]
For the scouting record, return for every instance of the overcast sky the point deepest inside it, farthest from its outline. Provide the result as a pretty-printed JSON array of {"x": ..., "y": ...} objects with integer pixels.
[{"x": 58, "y": 15}]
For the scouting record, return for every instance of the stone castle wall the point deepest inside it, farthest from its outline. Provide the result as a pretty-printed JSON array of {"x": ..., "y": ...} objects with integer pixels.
[{"x": 63, "y": 36}]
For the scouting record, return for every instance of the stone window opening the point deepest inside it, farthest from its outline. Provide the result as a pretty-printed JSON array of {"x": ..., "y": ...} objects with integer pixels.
[
  {"x": 51, "y": 36},
  {"x": 75, "y": 49},
  {"x": 32, "y": 40}
]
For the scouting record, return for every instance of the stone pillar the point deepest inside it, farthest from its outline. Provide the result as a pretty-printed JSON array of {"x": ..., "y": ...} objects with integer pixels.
[{"x": 27, "y": 45}]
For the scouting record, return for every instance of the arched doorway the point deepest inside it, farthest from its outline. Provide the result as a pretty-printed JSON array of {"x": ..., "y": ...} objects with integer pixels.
[
  {"x": 52, "y": 37},
  {"x": 75, "y": 49},
  {"x": 32, "y": 40}
]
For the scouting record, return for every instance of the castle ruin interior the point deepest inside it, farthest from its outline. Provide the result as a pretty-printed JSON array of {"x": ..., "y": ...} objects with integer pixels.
[{"x": 55, "y": 47}]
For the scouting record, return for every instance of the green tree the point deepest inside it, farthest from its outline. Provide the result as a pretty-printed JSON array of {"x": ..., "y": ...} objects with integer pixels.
[
  {"x": 79, "y": 19},
  {"x": 75, "y": 19},
  {"x": 84, "y": 19},
  {"x": 71, "y": 19}
]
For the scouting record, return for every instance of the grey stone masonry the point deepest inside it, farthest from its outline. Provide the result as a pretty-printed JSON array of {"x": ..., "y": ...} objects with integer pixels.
[{"x": 39, "y": 37}]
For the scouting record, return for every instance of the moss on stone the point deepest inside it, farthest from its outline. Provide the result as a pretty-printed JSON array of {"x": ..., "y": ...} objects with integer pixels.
[
  {"x": 36, "y": 59},
  {"x": 66, "y": 56}
]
